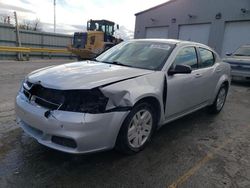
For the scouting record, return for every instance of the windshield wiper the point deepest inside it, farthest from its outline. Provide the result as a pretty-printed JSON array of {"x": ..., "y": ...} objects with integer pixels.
[
  {"x": 94, "y": 59},
  {"x": 115, "y": 63},
  {"x": 119, "y": 63},
  {"x": 112, "y": 62}
]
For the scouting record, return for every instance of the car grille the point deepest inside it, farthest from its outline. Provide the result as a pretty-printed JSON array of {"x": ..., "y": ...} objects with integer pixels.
[
  {"x": 86, "y": 101},
  {"x": 46, "y": 104},
  {"x": 45, "y": 97},
  {"x": 67, "y": 142}
]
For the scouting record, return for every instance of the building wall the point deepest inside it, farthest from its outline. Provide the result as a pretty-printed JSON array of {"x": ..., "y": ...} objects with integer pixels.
[
  {"x": 34, "y": 39},
  {"x": 204, "y": 12}
]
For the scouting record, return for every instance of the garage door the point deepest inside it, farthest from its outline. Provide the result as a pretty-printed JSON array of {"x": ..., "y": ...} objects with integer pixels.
[
  {"x": 236, "y": 34},
  {"x": 196, "y": 33},
  {"x": 157, "y": 32}
]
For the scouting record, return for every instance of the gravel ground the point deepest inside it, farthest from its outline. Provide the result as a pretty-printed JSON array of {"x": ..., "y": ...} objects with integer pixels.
[{"x": 199, "y": 150}]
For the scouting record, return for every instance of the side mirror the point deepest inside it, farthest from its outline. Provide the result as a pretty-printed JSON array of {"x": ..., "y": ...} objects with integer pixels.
[
  {"x": 117, "y": 27},
  {"x": 228, "y": 54},
  {"x": 180, "y": 69}
]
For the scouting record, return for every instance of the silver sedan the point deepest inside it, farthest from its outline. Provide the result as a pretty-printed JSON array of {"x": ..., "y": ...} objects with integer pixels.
[
  {"x": 119, "y": 99},
  {"x": 240, "y": 62}
]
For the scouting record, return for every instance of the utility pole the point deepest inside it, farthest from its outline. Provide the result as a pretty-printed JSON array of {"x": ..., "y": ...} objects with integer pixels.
[
  {"x": 18, "y": 42},
  {"x": 54, "y": 16}
]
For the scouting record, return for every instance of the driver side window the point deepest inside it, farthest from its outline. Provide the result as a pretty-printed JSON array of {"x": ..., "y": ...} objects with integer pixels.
[{"x": 187, "y": 56}]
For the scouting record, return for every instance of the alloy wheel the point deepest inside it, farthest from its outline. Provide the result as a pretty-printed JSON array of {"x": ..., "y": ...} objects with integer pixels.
[
  {"x": 140, "y": 128},
  {"x": 221, "y": 98}
]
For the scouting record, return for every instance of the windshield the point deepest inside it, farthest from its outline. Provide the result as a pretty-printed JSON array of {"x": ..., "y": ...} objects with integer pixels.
[
  {"x": 139, "y": 54},
  {"x": 242, "y": 51}
]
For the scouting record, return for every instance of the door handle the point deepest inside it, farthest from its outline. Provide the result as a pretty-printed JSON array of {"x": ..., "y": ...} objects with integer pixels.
[
  {"x": 198, "y": 75},
  {"x": 218, "y": 70}
]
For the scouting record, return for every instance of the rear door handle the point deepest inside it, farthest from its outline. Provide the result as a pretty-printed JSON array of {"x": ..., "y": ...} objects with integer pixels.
[
  {"x": 218, "y": 70},
  {"x": 198, "y": 75}
]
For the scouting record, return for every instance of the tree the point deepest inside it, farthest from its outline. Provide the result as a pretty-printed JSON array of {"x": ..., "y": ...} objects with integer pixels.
[
  {"x": 37, "y": 25},
  {"x": 34, "y": 25},
  {"x": 5, "y": 18}
]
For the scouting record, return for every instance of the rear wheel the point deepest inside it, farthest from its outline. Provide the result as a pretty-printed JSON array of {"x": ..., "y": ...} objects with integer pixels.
[
  {"x": 79, "y": 58},
  {"x": 137, "y": 129},
  {"x": 219, "y": 101}
]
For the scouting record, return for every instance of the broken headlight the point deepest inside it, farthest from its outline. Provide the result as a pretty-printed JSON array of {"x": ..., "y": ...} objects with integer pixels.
[
  {"x": 86, "y": 101},
  {"x": 21, "y": 85}
]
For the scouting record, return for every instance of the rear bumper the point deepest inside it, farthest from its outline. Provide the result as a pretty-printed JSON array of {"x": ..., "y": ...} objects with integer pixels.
[{"x": 69, "y": 131}]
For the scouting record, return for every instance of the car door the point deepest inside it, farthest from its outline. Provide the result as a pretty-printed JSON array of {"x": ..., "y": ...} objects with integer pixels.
[
  {"x": 184, "y": 90},
  {"x": 206, "y": 71}
]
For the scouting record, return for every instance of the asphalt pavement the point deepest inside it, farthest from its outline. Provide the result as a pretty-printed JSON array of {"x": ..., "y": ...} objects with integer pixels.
[{"x": 199, "y": 150}]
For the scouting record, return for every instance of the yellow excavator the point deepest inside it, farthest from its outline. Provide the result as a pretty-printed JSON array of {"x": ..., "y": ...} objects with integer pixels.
[{"x": 98, "y": 38}]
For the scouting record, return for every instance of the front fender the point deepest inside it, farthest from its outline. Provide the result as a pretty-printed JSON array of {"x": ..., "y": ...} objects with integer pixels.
[{"x": 127, "y": 93}]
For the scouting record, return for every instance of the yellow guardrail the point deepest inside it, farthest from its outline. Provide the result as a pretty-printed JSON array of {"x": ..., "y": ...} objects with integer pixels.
[
  {"x": 50, "y": 50},
  {"x": 30, "y": 50},
  {"x": 14, "y": 49}
]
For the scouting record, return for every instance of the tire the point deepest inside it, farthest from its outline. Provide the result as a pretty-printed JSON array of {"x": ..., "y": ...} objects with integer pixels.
[
  {"x": 219, "y": 101},
  {"x": 79, "y": 58},
  {"x": 140, "y": 130}
]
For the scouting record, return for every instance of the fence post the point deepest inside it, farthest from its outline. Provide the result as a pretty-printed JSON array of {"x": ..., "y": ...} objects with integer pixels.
[
  {"x": 42, "y": 44},
  {"x": 18, "y": 42}
]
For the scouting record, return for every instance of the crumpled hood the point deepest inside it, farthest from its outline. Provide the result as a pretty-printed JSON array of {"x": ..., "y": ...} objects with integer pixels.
[{"x": 83, "y": 75}]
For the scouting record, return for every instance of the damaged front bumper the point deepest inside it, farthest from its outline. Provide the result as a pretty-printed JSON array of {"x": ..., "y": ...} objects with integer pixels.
[{"x": 70, "y": 132}]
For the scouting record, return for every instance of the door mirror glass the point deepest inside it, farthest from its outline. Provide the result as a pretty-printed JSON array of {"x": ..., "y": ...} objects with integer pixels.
[{"x": 180, "y": 69}]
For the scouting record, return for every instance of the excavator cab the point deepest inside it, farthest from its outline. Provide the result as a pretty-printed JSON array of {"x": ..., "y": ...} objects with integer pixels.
[
  {"x": 101, "y": 25},
  {"x": 98, "y": 38},
  {"x": 107, "y": 27}
]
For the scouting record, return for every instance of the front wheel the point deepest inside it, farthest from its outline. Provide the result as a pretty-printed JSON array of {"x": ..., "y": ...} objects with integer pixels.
[
  {"x": 137, "y": 129},
  {"x": 219, "y": 101}
]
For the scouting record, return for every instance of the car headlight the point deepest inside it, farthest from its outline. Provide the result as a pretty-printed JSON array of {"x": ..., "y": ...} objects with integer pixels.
[
  {"x": 21, "y": 85},
  {"x": 86, "y": 101}
]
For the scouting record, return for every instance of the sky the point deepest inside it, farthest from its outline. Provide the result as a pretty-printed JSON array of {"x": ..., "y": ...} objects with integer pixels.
[{"x": 72, "y": 15}]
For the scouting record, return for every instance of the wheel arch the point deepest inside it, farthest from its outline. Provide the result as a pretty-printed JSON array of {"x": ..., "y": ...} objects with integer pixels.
[
  {"x": 223, "y": 80},
  {"x": 154, "y": 101}
]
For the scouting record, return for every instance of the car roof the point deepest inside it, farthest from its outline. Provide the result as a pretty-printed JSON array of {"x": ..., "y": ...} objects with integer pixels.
[
  {"x": 178, "y": 43},
  {"x": 169, "y": 41}
]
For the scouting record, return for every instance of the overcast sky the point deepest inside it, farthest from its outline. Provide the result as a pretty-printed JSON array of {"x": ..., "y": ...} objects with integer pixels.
[{"x": 73, "y": 14}]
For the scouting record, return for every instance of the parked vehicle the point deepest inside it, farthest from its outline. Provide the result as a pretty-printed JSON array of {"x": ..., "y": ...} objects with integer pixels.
[
  {"x": 121, "y": 98},
  {"x": 240, "y": 62},
  {"x": 98, "y": 38}
]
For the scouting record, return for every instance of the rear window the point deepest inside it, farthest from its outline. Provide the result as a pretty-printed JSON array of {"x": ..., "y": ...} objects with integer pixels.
[{"x": 207, "y": 58}]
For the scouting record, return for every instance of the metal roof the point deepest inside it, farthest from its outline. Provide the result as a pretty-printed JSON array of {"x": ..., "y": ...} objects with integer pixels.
[{"x": 110, "y": 22}]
